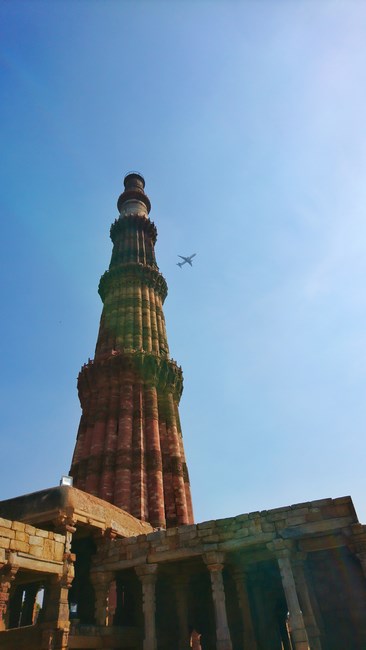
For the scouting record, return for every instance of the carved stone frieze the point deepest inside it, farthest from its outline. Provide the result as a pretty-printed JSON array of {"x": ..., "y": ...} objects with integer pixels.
[
  {"x": 163, "y": 373},
  {"x": 130, "y": 274},
  {"x": 119, "y": 227}
]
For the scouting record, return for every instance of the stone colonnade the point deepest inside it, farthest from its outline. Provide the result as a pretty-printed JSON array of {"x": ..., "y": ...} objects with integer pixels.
[{"x": 302, "y": 627}]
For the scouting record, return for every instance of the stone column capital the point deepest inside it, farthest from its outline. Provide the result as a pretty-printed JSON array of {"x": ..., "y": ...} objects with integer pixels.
[
  {"x": 101, "y": 578},
  {"x": 147, "y": 572},
  {"x": 214, "y": 560},
  {"x": 281, "y": 548},
  {"x": 64, "y": 523}
]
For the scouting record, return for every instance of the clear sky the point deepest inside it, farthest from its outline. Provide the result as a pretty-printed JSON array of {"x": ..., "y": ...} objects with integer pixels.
[{"x": 247, "y": 120}]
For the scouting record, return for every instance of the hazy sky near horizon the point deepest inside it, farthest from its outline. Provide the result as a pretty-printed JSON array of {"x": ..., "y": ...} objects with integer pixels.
[{"x": 247, "y": 120}]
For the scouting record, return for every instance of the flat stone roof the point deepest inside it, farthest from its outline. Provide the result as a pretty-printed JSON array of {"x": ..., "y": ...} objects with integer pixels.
[{"x": 47, "y": 506}]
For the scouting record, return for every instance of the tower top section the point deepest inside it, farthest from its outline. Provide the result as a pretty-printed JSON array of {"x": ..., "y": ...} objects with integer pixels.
[{"x": 134, "y": 200}]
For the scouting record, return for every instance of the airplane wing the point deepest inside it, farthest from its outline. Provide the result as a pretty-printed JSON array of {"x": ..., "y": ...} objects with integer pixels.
[
  {"x": 189, "y": 262},
  {"x": 194, "y": 255},
  {"x": 181, "y": 257}
]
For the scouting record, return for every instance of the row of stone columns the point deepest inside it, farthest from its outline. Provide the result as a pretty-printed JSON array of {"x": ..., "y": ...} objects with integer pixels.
[
  {"x": 302, "y": 622},
  {"x": 215, "y": 564}
]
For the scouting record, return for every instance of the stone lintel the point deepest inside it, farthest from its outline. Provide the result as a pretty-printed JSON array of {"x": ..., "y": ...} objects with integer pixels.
[
  {"x": 246, "y": 542},
  {"x": 32, "y": 563},
  {"x": 321, "y": 543},
  {"x": 214, "y": 560},
  {"x": 314, "y": 527},
  {"x": 146, "y": 570}
]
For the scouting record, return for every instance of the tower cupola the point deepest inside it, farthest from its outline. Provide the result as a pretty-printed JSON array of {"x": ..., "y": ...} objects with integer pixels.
[{"x": 134, "y": 200}]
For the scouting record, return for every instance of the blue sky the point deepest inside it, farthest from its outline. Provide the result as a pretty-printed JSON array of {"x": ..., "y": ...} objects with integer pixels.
[{"x": 247, "y": 120}]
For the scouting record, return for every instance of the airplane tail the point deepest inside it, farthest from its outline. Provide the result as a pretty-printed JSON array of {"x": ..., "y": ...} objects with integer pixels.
[{"x": 180, "y": 264}]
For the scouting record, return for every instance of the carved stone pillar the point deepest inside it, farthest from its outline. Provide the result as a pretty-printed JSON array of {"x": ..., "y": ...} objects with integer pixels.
[
  {"x": 148, "y": 575},
  {"x": 297, "y": 627},
  {"x": 57, "y": 607},
  {"x": 29, "y": 600},
  {"x": 101, "y": 581},
  {"x": 214, "y": 562},
  {"x": 56, "y": 595},
  {"x": 249, "y": 639},
  {"x": 7, "y": 575},
  {"x": 181, "y": 594},
  {"x": 312, "y": 628}
]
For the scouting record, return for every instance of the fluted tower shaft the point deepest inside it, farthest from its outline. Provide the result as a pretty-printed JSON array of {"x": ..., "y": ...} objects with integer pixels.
[{"x": 129, "y": 448}]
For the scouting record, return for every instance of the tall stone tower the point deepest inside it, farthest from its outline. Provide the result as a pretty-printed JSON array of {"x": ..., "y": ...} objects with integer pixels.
[{"x": 129, "y": 448}]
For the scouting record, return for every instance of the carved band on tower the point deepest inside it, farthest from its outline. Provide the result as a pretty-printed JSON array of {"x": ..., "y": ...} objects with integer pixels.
[{"x": 129, "y": 448}]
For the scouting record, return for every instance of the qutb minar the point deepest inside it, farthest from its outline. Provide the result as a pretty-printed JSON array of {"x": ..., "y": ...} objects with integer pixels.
[
  {"x": 111, "y": 558},
  {"x": 129, "y": 449}
]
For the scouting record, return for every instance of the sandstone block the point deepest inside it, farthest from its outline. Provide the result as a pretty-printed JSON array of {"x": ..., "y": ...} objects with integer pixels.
[
  {"x": 21, "y": 536},
  {"x": 213, "y": 538},
  {"x": 37, "y": 551},
  {"x": 321, "y": 502},
  {"x": 314, "y": 515},
  {"x": 254, "y": 515},
  {"x": 18, "y": 545},
  {"x": 340, "y": 500},
  {"x": 255, "y": 527},
  {"x": 277, "y": 510},
  {"x": 34, "y": 540},
  {"x": 42, "y": 533},
  {"x": 295, "y": 521},
  {"x": 48, "y": 549},
  {"x": 59, "y": 551},
  {"x": 4, "y": 542},
  {"x": 241, "y": 532},
  {"x": 206, "y": 524},
  {"x": 298, "y": 512},
  {"x": 7, "y": 532},
  {"x": 185, "y": 529},
  {"x": 30, "y": 529},
  {"x": 5, "y": 523},
  {"x": 243, "y": 517},
  {"x": 277, "y": 516},
  {"x": 17, "y": 525}
]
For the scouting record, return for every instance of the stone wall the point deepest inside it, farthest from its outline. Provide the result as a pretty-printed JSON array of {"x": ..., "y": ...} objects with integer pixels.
[
  {"x": 19, "y": 540},
  {"x": 327, "y": 519}
]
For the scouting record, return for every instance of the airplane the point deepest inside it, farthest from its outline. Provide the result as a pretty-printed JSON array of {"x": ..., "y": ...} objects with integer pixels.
[{"x": 186, "y": 260}]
